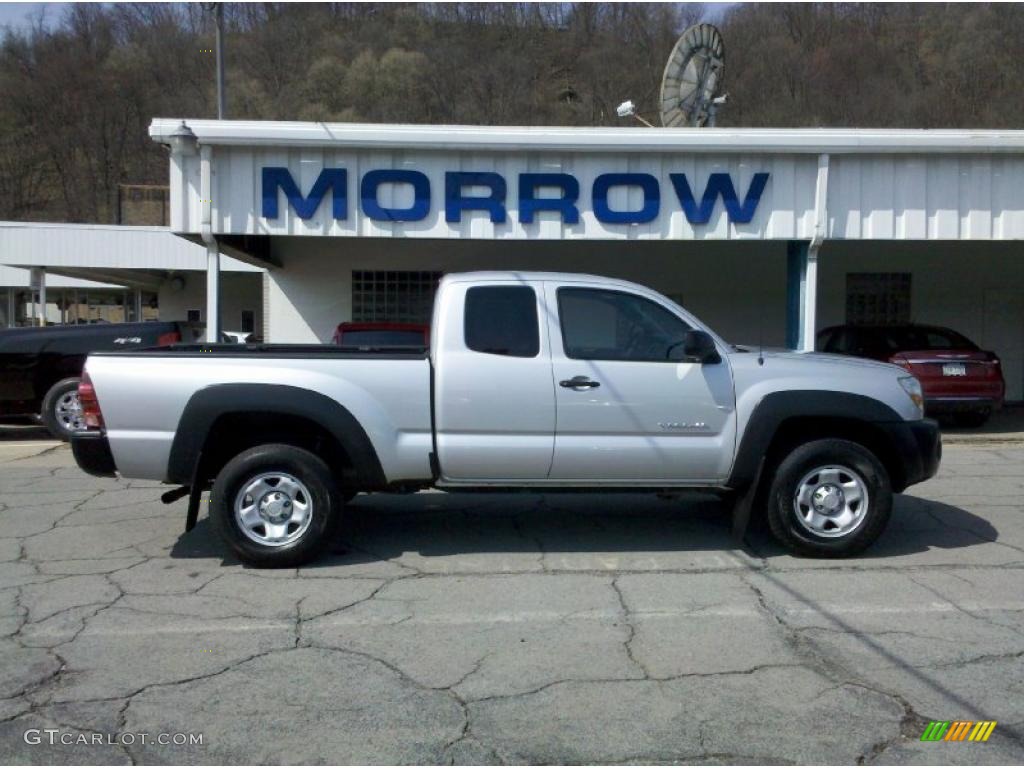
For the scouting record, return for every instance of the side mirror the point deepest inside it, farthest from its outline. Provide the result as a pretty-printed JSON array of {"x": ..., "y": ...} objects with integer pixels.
[{"x": 696, "y": 347}]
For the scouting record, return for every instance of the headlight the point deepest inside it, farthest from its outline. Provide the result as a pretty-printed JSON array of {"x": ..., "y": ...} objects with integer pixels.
[{"x": 912, "y": 387}]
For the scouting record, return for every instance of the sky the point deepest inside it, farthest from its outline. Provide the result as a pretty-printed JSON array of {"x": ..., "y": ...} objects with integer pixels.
[{"x": 19, "y": 15}]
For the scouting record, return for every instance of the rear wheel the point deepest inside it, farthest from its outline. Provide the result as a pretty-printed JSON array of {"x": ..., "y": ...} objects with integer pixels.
[
  {"x": 62, "y": 410},
  {"x": 276, "y": 505},
  {"x": 830, "y": 498}
]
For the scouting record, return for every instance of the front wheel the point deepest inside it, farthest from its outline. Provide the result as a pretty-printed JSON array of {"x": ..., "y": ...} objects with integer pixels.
[
  {"x": 830, "y": 498},
  {"x": 276, "y": 505}
]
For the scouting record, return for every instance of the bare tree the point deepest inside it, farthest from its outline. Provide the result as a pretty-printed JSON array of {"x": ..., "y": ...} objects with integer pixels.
[{"x": 76, "y": 96}]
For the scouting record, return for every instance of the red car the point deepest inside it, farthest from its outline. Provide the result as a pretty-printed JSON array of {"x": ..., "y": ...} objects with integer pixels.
[
  {"x": 369, "y": 335},
  {"x": 959, "y": 379}
]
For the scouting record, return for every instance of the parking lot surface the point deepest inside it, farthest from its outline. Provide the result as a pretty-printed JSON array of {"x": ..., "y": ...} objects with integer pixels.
[{"x": 509, "y": 628}]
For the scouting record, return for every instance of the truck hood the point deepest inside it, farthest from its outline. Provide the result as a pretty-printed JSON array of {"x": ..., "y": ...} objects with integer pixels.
[{"x": 816, "y": 358}]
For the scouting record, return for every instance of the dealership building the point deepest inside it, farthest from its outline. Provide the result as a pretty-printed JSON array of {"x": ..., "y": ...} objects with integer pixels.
[{"x": 768, "y": 235}]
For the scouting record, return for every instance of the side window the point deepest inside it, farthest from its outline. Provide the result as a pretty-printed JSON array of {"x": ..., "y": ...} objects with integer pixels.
[
  {"x": 841, "y": 343},
  {"x": 502, "y": 320},
  {"x": 611, "y": 325}
]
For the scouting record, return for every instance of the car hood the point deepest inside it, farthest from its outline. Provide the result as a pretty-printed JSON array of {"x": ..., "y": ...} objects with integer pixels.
[{"x": 819, "y": 358}]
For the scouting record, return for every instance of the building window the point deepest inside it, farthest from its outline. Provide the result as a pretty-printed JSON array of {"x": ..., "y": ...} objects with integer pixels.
[
  {"x": 878, "y": 298},
  {"x": 393, "y": 297},
  {"x": 248, "y": 321}
]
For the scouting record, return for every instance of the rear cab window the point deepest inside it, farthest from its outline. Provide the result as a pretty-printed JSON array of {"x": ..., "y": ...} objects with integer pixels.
[{"x": 502, "y": 320}]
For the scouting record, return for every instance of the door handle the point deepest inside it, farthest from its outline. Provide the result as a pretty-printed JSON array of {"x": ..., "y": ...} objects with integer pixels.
[{"x": 578, "y": 383}]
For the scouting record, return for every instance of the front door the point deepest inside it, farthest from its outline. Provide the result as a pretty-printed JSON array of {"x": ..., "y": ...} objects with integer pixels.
[{"x": 626, "y": 412}]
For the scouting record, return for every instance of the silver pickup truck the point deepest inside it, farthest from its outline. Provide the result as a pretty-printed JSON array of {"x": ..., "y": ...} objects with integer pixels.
[{"x": 532, "y": 380}]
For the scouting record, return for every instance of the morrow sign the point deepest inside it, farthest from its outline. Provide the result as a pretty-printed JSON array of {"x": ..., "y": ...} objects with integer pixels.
[{"x": 487, "y": 191}]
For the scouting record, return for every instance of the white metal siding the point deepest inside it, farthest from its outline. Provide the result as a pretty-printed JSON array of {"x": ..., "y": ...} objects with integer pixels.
[
  {"x": 926, "y": 197},
  {"x": 103, "y": 246},
  {"x": 887, "y": 196},
  {"x": 786, "y": 209},
  {"x": 16, "y": 277}
]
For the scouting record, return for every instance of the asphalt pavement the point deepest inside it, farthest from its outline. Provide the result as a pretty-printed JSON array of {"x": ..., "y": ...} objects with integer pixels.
[{"x": 492, "y": 628}]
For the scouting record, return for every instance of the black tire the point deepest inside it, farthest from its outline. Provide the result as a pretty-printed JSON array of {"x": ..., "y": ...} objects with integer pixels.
[
  {"x": 784, "y": 520},
  {"x": 971, "y": 419},
  {"x": 60, "y": 425},
  {"x": 325, "y": 516}
]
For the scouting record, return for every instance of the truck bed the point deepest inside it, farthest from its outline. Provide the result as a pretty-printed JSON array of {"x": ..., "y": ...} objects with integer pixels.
[
  {"x": 319, "y": 351},
  {"x": 145, "y": 393}
]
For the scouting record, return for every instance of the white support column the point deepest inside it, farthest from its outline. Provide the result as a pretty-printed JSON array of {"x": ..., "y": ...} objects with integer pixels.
[
  {"x": 39, "y": 284},
  {"x": 809, "y": 294},
  {"x": 212, "y": 293},
  {"x": 212, "y": 248},
  {"x": 809, "y": 274}
]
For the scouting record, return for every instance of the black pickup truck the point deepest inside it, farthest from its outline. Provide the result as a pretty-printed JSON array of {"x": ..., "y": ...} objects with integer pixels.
[{"x": 40, "y": 367}]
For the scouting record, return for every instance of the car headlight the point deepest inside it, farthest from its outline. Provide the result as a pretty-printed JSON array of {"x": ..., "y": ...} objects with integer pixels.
[{"x": 912, "y": 387}]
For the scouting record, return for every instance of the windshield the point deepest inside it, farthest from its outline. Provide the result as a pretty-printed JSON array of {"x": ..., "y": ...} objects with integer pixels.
[{"x": 897, "y": 339}]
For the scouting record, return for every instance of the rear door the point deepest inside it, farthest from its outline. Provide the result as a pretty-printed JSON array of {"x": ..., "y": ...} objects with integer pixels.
[
  {"x": 493, "y": 393},
  {"x": 626, "y": 412}
]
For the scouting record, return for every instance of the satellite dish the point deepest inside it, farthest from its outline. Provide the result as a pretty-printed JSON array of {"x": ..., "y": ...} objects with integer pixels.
[{"x": 692, "y": 77}]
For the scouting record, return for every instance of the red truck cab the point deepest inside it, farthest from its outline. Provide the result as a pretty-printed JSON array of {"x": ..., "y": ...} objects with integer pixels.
[{"x": 377, "y": 335}]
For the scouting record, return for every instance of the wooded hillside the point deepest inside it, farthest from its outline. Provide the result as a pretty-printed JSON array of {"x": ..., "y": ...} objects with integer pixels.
[{"x": 76, "y": 97}]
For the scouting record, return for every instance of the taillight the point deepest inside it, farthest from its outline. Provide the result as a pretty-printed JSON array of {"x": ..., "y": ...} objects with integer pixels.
[
  {"x": 90, "y": 405},
  {"x": 992, "y": 366},
  {"x": 902, "y": 362},
  {"x": 166, "y": 339}
]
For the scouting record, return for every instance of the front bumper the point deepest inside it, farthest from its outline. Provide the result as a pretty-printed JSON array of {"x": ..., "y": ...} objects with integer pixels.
[
  {"x": 92, "y": 453},
  {"x": 918, "y": 449}
]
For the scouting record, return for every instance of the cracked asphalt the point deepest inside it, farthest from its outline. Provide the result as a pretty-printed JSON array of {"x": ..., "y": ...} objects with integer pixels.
[{"x": 523, "y": 628}]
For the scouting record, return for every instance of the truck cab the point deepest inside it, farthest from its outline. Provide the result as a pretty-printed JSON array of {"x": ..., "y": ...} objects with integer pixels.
[{"x": 603, "y": 377}]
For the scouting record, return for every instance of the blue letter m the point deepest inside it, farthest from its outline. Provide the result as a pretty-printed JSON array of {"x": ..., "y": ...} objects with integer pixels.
[
  {"x": 333, "y": 179},
  {"x": 719, "y": 184}
]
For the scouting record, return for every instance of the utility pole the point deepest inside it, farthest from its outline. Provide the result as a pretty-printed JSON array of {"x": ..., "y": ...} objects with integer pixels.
[
  {"x": 206, "y": 191},
  {"x": 217, "y": 9},
  {"x": 219, "y": 15},
  {"x": 213, "y": 249}
]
